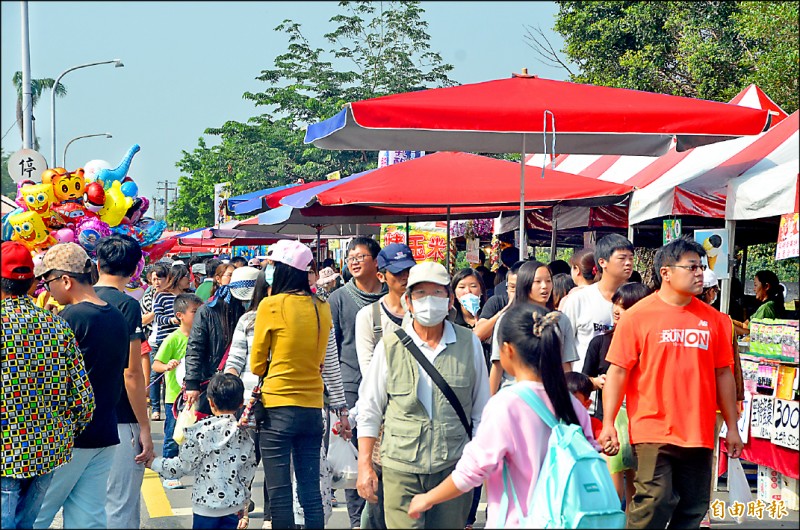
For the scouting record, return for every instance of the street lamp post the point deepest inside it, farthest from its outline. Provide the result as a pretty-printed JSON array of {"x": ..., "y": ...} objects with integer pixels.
[
  {"x": 117, "y": 64},
  {"x": 64, "y": 158}
]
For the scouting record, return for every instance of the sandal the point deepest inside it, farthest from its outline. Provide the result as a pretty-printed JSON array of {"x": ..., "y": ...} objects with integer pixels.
[{"x": 155, "y": 416}]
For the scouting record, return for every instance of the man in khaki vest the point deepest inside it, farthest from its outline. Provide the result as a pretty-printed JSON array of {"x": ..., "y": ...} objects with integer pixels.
[{"x": 423, "y": 436}]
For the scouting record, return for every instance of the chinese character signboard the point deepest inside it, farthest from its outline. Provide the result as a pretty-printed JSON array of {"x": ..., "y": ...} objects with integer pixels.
[
  {"x": 672, "y": 229},
  {"x": 788, "y": 237},
  {"x": 427, "y": 241},
  {"x": 26, "y": 164},
  {"x": 222, "y": 192},
  {"x": 785, "y": 424},
  {"x": 761, "y": 417},
  {"x": 715, "y": 243}
]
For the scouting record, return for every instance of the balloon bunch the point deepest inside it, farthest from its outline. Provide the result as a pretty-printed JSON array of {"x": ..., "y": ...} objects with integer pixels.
[{"x": 82, "y": 206}]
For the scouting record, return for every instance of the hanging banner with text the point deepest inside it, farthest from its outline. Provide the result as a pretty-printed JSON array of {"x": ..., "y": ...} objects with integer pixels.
[
  {"x": 427, "y": 241},
  {"x": 761, "y": 417},
  {"x": 788, "y": 237},
  {"x": 222, "y": 192},
  {"x": 785, "y": 424},
  {"x": 743, "y": 424}
]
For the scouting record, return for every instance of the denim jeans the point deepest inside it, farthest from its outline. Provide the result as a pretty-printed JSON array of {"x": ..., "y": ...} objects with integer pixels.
[
  {"x": 204, "y": 521},
  {"x": 170, "y": 448},
  {"x": 294, "y": 432},
  {"x": 123, "y": 491},
  {"x": 155, "y": 388},
  {"x": 22, "y": 499}
]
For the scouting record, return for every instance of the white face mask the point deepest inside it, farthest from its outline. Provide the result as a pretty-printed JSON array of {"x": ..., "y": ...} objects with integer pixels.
[{"x": 431, "y": 310}]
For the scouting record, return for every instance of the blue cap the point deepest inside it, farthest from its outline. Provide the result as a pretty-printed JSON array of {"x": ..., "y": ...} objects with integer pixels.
[{"x": 395, "y": 258}]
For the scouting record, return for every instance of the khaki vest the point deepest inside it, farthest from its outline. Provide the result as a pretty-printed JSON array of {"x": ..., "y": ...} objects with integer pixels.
[{"x": 413, "y": 442}]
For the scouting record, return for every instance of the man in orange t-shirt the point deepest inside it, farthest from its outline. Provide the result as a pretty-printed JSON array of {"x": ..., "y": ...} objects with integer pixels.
[{"x": 671, "y": 355}]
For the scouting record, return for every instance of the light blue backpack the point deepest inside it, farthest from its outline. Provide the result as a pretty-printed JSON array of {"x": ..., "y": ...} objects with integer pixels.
[{"x": 574, "y": 489}]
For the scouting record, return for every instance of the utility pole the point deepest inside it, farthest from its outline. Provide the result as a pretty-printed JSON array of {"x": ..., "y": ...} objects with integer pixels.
[
  {"x": 27, "y": 96},
  {"x": 166, "y": 188}
]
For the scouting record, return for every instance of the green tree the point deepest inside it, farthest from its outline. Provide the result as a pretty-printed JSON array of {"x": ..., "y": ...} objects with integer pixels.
[
  {"x": 38, "y": 86},
  {"x": 708, "y": 49},
  {"x": 374, "y": 49},
  {"x": 770, "y": 33},
  {"x": 9, "y": 187}
]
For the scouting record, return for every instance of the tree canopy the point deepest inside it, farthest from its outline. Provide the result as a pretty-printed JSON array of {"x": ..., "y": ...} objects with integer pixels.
[
  {"x": 708, "y": 49},
  {"x": 374, "y": 49}
]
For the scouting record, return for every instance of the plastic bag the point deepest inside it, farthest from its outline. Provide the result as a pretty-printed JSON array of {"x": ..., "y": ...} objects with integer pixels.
[
  {"x": 738, "y": 487},
  {"x": 186, "y": 418},
  {"x": 343, "y": 457}
]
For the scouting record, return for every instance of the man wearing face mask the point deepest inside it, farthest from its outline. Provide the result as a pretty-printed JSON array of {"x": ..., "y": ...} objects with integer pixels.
[{"x": 424, "y": 434}]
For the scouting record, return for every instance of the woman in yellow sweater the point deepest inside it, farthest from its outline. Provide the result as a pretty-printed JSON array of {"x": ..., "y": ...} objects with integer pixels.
[{"x": 291, "y": 334}]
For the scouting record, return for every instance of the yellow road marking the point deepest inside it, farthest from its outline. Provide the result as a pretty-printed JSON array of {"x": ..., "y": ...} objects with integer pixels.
[{"x": 155, "y": 498}]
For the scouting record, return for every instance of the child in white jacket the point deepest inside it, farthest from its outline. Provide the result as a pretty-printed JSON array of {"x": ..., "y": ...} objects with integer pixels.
[{"x": 221, "y": 456}]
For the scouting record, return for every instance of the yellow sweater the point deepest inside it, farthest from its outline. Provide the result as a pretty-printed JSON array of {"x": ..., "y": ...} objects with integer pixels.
[{"x": 286, "y": 325}]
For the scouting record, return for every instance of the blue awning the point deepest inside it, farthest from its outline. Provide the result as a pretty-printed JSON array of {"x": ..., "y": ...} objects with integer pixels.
[{"x": 253, "y": 201}]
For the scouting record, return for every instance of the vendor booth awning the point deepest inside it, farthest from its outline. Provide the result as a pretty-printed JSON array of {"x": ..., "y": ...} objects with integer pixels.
[{"x": 696, "y": 182}]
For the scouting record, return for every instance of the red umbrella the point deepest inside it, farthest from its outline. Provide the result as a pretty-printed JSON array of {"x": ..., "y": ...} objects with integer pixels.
[
  {"x": 527, "y": 114},
  {"x": 463, "y": 182}
]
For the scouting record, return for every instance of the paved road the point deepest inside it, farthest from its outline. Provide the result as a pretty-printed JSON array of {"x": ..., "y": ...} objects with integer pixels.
[{"x": 173, "y": 508}]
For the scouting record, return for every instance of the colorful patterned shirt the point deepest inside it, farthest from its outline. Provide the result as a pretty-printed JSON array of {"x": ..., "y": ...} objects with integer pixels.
[{"x": 46, "y": 395}]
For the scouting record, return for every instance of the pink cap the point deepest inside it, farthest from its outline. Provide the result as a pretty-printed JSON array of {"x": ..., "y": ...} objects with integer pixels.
[{"x": 292, "y": 253}]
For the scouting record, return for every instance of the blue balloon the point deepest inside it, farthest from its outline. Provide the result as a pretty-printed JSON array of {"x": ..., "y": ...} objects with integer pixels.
[{"x": 130, "y": 189}]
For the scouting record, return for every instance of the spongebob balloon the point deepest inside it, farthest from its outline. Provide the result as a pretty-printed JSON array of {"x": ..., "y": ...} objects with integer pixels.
[
  {"x": 116, "y": 205},
  {"x": 39, "y": 198},
  {"x": 31, "y": 232}
]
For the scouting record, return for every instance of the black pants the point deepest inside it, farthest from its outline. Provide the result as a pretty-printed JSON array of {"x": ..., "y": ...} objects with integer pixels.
[{"x": 294, "y": 432}]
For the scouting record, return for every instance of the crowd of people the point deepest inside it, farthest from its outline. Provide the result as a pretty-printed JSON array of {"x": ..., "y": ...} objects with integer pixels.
[{"x": 258, "y": 362}]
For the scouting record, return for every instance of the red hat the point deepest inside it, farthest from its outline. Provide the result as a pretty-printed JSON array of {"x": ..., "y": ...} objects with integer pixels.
[{"x": 17, "y": 261}]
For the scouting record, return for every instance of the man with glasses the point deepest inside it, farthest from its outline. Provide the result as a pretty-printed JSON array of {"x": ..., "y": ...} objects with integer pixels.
[
  {"x": 672, "y": 355},
  {"x": 100, "y": 330},
  {"x": 424, "y": 435},
  {"x": 362, "y": 290}
]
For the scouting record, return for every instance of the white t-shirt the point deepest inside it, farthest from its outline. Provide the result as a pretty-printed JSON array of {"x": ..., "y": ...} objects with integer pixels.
[{"x": 590, "y": 315}]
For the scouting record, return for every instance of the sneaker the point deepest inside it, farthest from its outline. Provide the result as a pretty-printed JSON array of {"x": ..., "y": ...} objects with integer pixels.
[
  {"x": 706, "y": 522},
  {"x": 266, "y": 525},
  {"x": 172, "y": 484}
]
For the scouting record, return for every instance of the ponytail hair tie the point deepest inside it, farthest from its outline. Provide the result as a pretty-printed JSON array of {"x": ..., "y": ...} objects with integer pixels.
[
  {"x": 540, "y": 323},
  {"x": 594, "y": 270}
]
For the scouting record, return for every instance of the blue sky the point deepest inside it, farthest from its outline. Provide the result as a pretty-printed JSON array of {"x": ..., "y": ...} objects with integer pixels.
[{"x": 187, "y": 65}]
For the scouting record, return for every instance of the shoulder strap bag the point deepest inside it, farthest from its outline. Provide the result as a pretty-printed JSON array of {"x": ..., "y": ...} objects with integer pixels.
[{"x": 437, "y": 379}]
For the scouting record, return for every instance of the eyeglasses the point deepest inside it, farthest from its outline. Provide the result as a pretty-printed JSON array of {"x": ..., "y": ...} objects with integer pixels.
[
  {"x": 693, "y": 268},
  {"x": 357, "y": 259},
  {"x": 48, "y": 282}
]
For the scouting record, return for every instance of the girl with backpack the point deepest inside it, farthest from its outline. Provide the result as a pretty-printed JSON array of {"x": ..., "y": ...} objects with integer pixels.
[{"x": 510, "y": 431}]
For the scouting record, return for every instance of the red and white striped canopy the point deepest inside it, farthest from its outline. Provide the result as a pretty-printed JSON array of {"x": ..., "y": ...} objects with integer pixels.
[{"x": 752, "y": 176}]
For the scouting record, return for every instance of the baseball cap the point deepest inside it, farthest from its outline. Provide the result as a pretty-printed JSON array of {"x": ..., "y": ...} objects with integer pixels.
[
  {"x": 292, "y": 253},
  {"x": 395, "y": 258},
  {"x": 710, "y": 279},
  {"x": 428, "y": 271},
  {"x": 17, "y": 261},
  {"x": 243, "y": 282},
  {"x": 199, "y": 268},
  {"x": 254, "y": 262},
  {"x": 67, "y": 257}
]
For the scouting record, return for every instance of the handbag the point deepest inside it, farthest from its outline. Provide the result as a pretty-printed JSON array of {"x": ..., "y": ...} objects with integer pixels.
[{"x": 437, "y": 378}]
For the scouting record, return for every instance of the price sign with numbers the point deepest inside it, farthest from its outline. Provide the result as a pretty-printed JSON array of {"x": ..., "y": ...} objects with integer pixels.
[{"x": 785, "y": 423}]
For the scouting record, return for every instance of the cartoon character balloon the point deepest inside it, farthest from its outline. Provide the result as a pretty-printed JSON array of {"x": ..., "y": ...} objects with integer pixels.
[
  {"x": 31, "y": 232},
  {"x": 39, "y": 198},
  {"x": 116, "y": 205},
  {"x": 107, "y": 177},
  {"x": 89, "y": 232},
  {"x": 67, "y": 186}
]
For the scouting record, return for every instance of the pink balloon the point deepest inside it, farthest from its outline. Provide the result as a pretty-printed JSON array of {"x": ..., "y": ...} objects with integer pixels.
[{"x": 65, "y": 235}]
